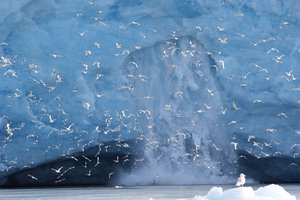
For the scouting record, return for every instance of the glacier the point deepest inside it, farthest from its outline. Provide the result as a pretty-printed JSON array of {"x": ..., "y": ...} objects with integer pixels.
[{"x": 149, "y": 92}]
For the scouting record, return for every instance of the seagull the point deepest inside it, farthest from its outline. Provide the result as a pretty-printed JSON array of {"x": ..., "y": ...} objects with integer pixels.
[
  {"x": 90, "y": 173},
  {"x": 223, "y": 111},
  {"x": 86, "y": 158},
  {"x": 97, "y": 130},
  {"x": 57, "y": 170},
  {"x": 282, "y": 115},
  {"x": 223, "y": 40},
  {"x": 234, "y": 106},
  {"x": 51, "y": 120},
  {"x": 98, "y": 76},
  {"x": 126, "y": 160},
  {"x": 3, "y": 44},
  {"x": 58, "y": 79},
  {"x": 98, "y": 162},
  {"x": 135, "y": 23},
  {"x": 192, "y": 45},
  {"x": 200, "y": 29},
  {"x": 211, "y": 92},
  {"x": 11, "y": 72},
  {"x": 273, "y": 49},
  {"x": 290, "y": 74},
  {"x": 110, "y": 174},
  {"x": 82, "y": 33},
  {"x": 258, "y": 101},
  {"x": 221, "y": 29},
  {"x": 246, "y": 75},
  {"x": 87, "y": 52},
  {"x": 241, "y": 180},
  {"x": 250, "y": 137},
  {"x": 86, "y": 105},
  {"x": 116, "y": 160},
  {"x": 222, "y": 64},
  {"x": 272, "y": 130},
  {"x": 61, "y": 180},
  {"x": 241, "y": 35},
  {"x": 97, "y": 45},
  {"x": 207, "y": 107},
  {"x": 232, "y": 122},
  {"x": 118, "y": 46},
  {"x": 234, "y": 145},
  {"x": 56, "y": 56},
  {"x": 279, "y": 57},
  {"x": 97, "y": 63},
  {"x": 33, "y": 177},
  {"x": 261, "y": 69},
  {"x": 68, "y": 129},
  {"x": 134, "y": 63}
]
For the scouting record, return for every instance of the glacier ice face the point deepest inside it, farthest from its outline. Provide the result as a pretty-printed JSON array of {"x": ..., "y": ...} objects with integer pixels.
[{"x": 193, "y": 88}]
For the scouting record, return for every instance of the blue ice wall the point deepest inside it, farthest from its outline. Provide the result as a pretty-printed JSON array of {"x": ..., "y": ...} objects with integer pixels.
[{"x": 205, "y": 88}]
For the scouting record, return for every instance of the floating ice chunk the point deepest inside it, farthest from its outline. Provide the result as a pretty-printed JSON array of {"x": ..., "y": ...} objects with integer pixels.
[
  {"x": 274, "y": 192},
  {"x": 270, "y": 192}
]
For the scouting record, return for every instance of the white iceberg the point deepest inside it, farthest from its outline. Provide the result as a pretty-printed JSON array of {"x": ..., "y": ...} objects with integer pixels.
[{"x": 269, "y": 192}]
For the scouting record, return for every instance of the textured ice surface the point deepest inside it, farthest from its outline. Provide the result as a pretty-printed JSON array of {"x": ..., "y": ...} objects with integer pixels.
[
  {"x": 204, "y": 88},
  {"x": 270, "y": 192}
]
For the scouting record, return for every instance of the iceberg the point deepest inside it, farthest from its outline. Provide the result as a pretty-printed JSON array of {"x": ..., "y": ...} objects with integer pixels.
[
  {"x": 269, "y": 192},
  {"x": 151, "y": 92}
]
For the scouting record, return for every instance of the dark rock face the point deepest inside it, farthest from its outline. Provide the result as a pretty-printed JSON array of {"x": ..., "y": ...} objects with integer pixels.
[
  {"x": 270, "y": 169},
  {"x": 90, "y": 167}
]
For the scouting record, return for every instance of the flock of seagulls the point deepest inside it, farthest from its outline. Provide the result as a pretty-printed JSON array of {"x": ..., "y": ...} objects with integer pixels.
[{"x": 134, "y": 122}]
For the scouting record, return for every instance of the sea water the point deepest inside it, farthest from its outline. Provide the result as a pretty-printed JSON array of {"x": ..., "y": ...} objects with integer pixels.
[{"x": 122, "y": 192}]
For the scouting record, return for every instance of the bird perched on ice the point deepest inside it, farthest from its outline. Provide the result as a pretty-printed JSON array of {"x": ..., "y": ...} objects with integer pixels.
[{"x": 241, "y": 180}]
